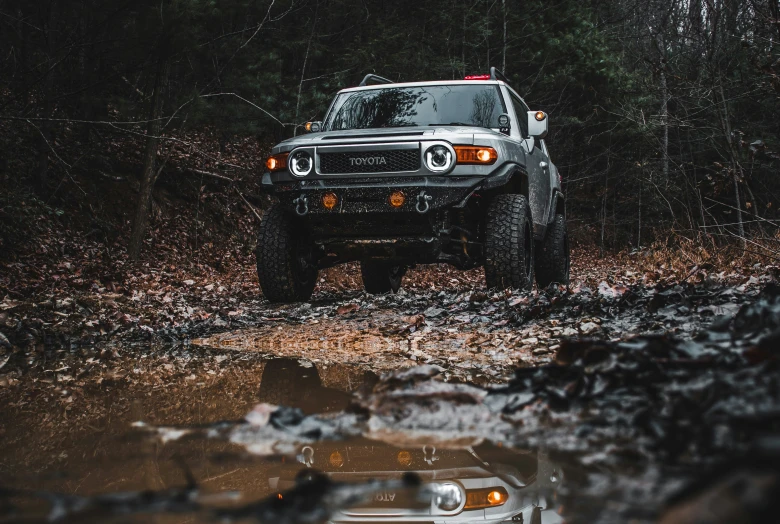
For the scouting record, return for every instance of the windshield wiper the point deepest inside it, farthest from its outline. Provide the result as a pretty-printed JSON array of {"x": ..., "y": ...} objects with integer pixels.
[{"x": 456, "y": 124}]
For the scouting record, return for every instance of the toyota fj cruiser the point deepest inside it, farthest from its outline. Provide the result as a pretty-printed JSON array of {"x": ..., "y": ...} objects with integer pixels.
[{"x": 414, "y": 173}]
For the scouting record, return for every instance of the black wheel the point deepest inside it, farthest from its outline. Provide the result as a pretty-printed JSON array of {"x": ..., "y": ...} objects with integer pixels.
[
  {"x": 552, "y": 255},
  {"x": 285, "y": 268},
  {"x": 509, "y": 243},
  {"x": 381, "y": 276}
]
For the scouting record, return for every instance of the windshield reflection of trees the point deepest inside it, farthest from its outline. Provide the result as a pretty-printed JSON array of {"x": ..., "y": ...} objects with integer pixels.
[
  {"x": 418, "y": 106},
  {"x": 385, "y": 108}
]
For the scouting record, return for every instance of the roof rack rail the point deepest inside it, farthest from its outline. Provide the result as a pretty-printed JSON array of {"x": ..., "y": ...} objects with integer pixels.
[
  {"x": 376, "y": 79},
  {"x": 495, "y": 74}
]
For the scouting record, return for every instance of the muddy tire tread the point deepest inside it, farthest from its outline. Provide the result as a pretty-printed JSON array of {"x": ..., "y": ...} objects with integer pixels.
[
  {"x": 274, "y": 253},
  {"x": 552, "y": 257},
  {"x": 505, "y": 257}
]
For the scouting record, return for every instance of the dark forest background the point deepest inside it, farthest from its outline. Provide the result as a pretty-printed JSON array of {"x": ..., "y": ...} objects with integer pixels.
[{"x": 119, "y": 117}]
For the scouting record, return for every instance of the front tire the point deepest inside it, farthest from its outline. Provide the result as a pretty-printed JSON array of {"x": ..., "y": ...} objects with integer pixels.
[
  {"x": 552, "y": 257},
  {"x": 381, "y": 276},
  {"x": 285, "y": 267},
  {"x": 509, "y": 243}
]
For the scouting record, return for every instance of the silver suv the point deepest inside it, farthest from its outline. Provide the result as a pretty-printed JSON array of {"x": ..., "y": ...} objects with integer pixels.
[{"x": 398, "y": 174}]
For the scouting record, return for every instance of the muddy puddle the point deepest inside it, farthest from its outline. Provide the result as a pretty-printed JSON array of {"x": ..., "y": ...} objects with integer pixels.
[
  {"x": 102, "y": 464},
  {"x": 611, "y": 405}
]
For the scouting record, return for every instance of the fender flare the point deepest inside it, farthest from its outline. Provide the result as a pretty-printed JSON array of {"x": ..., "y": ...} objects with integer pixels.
[
  {"x": 497, "y": 179},
  {"x": 557, "y": 205}
]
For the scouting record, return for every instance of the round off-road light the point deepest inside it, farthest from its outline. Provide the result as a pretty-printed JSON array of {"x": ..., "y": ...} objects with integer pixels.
[
  {"x": 397, "y": 198},
  {"x": 336, "y": 460},
  {"x": 540, "y": 115},
  {"x": 503, "y": 120},
  {"x": 300, "y": 163},
  {"x": 329, "y": 200},
  {"x": 404, "y": 458}
]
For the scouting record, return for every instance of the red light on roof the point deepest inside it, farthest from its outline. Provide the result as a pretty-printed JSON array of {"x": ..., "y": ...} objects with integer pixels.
[{"x": 477, "y": 77}]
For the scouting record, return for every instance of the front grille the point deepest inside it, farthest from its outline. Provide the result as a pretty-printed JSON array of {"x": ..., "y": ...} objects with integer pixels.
[{"x": 393, "y": 160}]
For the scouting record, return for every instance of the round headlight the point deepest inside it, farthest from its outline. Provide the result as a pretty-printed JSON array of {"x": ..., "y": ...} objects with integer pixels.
[
  {"x": 438, "y": 159},
  {"x": 448, "y": 497},
  {"x": 301, "y": 163}
]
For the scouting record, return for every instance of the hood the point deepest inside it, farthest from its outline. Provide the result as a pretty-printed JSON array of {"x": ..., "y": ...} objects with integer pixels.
[{"x": 456, "y": 134}]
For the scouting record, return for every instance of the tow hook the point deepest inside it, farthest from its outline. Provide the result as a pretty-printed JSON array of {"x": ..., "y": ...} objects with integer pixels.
[
  {"x": 422, "y": 206},
  {"x": 301, "y": 205}
]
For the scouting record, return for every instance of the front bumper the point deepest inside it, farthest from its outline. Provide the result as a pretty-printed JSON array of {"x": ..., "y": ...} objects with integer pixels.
[{"x": 371, "y": 195}]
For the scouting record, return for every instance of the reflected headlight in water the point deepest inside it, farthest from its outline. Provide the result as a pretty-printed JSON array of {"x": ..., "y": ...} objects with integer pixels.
[
  {"x": 336, "y": 459},
  {"x": 448, "y": 496},
  {"x": 485, "y": 498}
]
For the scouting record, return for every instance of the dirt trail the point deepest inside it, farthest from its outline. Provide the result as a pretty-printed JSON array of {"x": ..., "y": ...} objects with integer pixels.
[{"x": 68, "y": 410}]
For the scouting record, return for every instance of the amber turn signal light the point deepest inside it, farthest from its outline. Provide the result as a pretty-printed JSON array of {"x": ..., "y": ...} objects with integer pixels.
[
  {"x": 476, "y": 155},
  {"x": 277, "y": 162},
  {"x": 397, "y": 198},
  {"x": 485, "y": 498},
  {"x": 540, "y": 116},
  {"x": 404, "y": 458},
  {"x": 329, "y": 200}
]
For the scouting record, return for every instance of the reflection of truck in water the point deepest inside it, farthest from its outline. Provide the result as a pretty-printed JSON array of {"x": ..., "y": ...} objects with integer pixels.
[{"x": 485, "y": 483}]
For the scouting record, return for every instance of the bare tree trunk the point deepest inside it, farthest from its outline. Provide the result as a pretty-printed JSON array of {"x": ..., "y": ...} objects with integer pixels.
[
  {"x": 639, "y": 219},
  {"x": 463, "y": 39},
  {"x": 487, "y": 33},
  {"x": 303, "y": 69},
  {"x": 664, "y": 109},
  {"x": 148, "y": 177},
  {"x": 604, "y": 212},
  {"x": 503, "y": 52},
  {"x": 736, "y": 166},
  {"x": 44, "y": 144}
]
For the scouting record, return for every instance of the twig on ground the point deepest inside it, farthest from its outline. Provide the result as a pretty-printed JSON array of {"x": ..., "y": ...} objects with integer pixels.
[{"x": 250, "y": 206}]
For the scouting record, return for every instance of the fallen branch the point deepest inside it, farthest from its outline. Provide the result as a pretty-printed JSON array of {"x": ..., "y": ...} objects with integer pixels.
[
  {"x": 209, "y": 173},
  {"x": 250, "y": 206}
]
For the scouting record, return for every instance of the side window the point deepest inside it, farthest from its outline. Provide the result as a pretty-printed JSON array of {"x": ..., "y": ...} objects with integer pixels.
[{"x": 521, "y": 110}]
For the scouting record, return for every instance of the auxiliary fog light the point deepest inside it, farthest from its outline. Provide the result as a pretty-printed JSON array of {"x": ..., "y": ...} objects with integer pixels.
[
  {"x": 336, "y": 460},
  {"x": 397, "y": 198},
  {"x": 448, "y": 496},
  {"x": 329, "y": 200}
]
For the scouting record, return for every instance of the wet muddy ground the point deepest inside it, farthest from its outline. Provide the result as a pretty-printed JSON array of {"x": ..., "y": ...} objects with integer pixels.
[{"x": 186, "y": 411}]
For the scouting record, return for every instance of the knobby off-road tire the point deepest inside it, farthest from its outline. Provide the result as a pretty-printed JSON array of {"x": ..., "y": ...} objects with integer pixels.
[
  {"x": 380, "y": 276},
  {"x": 284, "y": 266},
  {"x": 509, "y": 243},
  {"x": 552, "y": 255}
]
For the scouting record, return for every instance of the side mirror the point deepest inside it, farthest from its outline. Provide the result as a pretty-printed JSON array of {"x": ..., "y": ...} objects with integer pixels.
[
  {"x": 537, "y": 124},
  {"x": 313, "y": 127},
  {"x": 503, "y": 123}
]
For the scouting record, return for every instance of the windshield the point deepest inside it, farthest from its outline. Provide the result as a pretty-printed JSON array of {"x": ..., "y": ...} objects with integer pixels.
[{"x": 466, "y": 105}]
